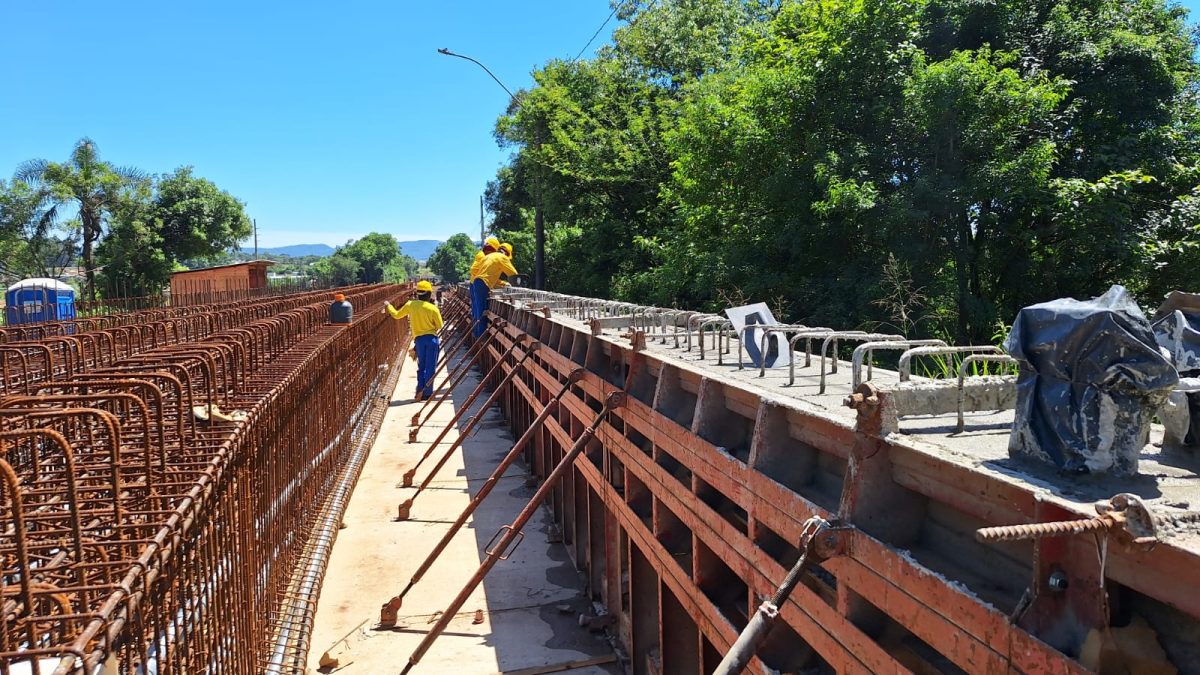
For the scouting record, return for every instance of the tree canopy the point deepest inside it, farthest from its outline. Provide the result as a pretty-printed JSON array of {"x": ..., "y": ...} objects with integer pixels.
[
  {"x": 452, "y": 259},
  {"x": 131, "y": 227},
  {"x": 374, "y": 258},
  {"x": 94, "y": 187},
  {"x": 984, "y": 156},
  {"x": 33, "y": 243},
  {"x": 181, "y": 218}
]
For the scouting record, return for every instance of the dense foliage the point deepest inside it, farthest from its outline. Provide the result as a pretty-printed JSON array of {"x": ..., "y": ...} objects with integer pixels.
[
  {"x": 179, "y": 218},
  {"x": 374, "y": 258},
  {"x": 96, "y": 189},
  {"x": 930, "y": 164},
  {"x": 452, "y": 259},
  {"x": 129, "y": 230},
  {"x": 132, "y": 228}
]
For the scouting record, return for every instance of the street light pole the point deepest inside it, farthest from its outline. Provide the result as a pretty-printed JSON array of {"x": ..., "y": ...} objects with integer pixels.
[{"x": 539, "y": 224}]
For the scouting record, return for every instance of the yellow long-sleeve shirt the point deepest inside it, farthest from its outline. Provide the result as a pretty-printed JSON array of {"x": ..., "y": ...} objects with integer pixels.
[
  {"x": 479, "y": 256},
  {"x": 492, "y": 266},
  {"x": 424, "y": 317}
]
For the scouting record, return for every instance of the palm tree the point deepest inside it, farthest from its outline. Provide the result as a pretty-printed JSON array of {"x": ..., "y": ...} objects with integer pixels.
[{"x": 93, "y": 186}]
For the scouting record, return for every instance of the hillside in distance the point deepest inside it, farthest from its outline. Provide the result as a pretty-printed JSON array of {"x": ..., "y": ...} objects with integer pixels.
[
  {"x": 420, "y": 249},
  {"x": 295, "y": 250}
]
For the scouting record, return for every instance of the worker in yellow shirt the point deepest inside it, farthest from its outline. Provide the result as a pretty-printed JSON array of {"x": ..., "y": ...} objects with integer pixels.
[
  {"x": 488, "y": 277},
  {"x": 490, "y": 245},
  {"x": 479, "y": 292},
  {"x": 426, "y": 321},
  {"x": 507, "y": 249}
]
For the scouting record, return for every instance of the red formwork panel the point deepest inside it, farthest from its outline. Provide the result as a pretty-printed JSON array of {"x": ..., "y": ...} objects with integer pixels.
[{"x": 695, "y": 518}]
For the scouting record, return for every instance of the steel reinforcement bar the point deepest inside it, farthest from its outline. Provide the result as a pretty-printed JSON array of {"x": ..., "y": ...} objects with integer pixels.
[
  {"x": 169, "y": 482},
  {"x": 688, "y": 509}
]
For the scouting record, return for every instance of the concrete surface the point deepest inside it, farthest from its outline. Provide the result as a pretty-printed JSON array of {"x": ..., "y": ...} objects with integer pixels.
[
  {"x": 1168, "y": 478},
  {"x": 531, "y": 603}
]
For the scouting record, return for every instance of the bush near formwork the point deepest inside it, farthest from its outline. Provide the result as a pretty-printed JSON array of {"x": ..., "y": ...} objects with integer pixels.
[{"x": 1005, "y": 153}]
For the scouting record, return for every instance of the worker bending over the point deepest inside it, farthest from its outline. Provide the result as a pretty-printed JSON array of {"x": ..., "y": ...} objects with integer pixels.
[
  {"x": 426, "y": 321},
  {"x": 486, "y": 277},
  {"x": 479, "y": 289}
]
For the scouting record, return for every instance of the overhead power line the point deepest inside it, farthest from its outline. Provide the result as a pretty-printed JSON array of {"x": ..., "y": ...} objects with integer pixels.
[{"x": 593, "y": 38}]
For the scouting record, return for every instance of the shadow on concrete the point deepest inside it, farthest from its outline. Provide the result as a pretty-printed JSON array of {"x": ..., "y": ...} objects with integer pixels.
[{"x": 537, "y": 595}]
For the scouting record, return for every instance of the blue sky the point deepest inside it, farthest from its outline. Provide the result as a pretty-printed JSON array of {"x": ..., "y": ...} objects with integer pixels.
[{"x": 329, "y": 119}]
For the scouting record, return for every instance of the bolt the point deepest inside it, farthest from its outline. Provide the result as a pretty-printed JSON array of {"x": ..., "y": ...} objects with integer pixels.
[
  {"x": 1060, "y": 528},
  {"x": 1058, "y": 581}
]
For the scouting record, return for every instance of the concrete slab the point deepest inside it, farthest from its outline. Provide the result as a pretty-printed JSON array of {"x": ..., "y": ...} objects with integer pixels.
[
  {"x": 1166, "y": 477},
  {"x": 530, "y": 603}
]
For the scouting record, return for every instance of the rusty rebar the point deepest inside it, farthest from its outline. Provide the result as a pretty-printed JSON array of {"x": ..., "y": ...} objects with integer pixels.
[
  {"x": 462, "y": 409},
  {"x": 136, "y": 534}
]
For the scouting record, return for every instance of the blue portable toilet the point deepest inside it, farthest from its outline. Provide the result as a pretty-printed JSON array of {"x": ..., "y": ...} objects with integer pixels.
[{"x": 38, "y": 300}]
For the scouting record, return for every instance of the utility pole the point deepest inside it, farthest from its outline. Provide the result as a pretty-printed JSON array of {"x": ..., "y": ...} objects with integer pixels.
[
  {"x": 255, "y": 221},
  {"x": 482, "y": 233}
]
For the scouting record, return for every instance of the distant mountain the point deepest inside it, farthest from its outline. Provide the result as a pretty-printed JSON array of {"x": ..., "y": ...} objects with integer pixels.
[
  {"x": 296, "y": 250},
  {"x": 420, "y": 249}
]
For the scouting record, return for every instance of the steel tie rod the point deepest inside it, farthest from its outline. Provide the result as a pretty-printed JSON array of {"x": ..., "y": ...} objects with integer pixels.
[
  {"x": 412, "y": 433},
  {"x": 510, "y": 535},
  {"x": 457, "y": 377},
  {"x": 466, "y": 431},
  {"x": 388, "y": 612},
  {"x": 755, "y": 632}
]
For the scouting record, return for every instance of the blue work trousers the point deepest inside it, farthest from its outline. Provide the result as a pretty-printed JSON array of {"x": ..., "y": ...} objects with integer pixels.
[
  {"x": 428, "y": 348},
  {"x": 479, "y": 301}
]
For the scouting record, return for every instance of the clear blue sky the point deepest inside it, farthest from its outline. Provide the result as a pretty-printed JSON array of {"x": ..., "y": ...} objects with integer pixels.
[{"x": 329, "y": 119}]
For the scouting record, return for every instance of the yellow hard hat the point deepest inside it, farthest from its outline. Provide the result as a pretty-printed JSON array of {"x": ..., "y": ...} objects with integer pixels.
[
  {"x": 424, "y": 287},
  {"x": 507, "y": 248},
  {"x": 492, "y": 241}
]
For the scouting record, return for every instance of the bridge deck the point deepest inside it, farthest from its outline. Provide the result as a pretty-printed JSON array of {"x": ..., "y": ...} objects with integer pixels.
[{"x": 531, "y": 603}]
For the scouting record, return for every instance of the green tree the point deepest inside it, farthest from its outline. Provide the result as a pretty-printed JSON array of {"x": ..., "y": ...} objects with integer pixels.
[
  {"x": 337, "y": 270},
  {"x": 452, "y": 259},
  {"x": 93, "y": 186},
  {"x": 994, "y": 153},
  {"x": 32, "y": 242},
  {"x": 180, "y": 221},
  {"x": 197, "y": 219},
  {"x": 379, "y": 258}
]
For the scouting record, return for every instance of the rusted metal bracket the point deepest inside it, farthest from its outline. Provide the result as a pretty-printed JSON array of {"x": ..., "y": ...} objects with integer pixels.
[{"x": 389, "y": 612}]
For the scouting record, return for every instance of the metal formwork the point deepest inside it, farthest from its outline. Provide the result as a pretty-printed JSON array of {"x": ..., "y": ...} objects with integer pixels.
[
  {"x": 686, "y": 510},
  {"x": 171, "y": 476}
]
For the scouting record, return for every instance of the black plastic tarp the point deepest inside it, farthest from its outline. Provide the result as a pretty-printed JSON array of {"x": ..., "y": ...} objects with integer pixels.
[
  {"x": 1092, "y": 377},
  {"x": 1177, "y": 329}
]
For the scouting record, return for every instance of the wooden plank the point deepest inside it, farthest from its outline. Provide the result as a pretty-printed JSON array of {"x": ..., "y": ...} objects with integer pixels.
[{"x": 561, "y": 667}]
